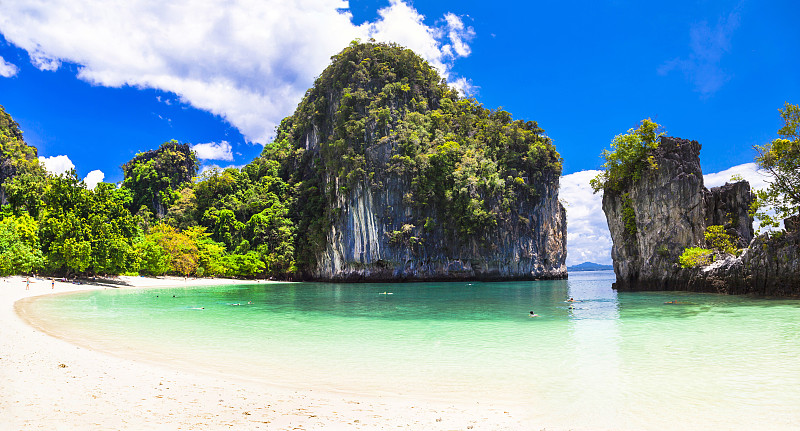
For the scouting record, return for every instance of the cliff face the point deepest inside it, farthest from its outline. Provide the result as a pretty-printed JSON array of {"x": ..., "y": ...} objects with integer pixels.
[
  {"x": 668, "y": 215},
  {"x": 360, "y": 244},
  {"x": 396, "y": 177},
  {"x": 671, "y": 209}
]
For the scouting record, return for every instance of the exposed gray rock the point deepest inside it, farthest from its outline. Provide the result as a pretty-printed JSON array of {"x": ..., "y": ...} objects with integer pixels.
[
  {"x": 728, "y": 206},
  {"x": 672, "y": 209},
  {"x": 668, "y": 207},
  {"x": 529, "y": 244}
]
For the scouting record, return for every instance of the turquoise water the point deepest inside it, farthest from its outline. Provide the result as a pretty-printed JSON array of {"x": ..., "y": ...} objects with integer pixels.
[{"x": 610, "y": 361}]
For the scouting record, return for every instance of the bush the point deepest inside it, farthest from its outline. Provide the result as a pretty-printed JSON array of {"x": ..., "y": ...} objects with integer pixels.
[
  {"x": 693, "y": 257},
  {"x": 719, "y": 241},
  {"x": 629, "y": 156}
]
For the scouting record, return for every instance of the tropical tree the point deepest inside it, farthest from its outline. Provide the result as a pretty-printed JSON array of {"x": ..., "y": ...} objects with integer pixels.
[
  {"x": 84, "y": 230},
  {"x": 19, "y": 244},
  {"x": 629, "y": 156},
  {"x": 781, "y": 160},
  {"x": 155, "y": 176},
  {"x": 153, "y": 259},
  {"x": 179, "y": 247}
]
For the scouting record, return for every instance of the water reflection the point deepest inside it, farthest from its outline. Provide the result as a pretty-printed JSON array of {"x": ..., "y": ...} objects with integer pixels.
[{"x": 594, "y": 331}]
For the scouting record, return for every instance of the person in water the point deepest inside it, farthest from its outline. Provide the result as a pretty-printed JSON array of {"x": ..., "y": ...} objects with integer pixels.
[{"x": 532, "y": 314}]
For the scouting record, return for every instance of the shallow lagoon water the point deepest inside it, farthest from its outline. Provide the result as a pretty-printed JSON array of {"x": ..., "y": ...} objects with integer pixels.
[{"x": 610, "y": 361}]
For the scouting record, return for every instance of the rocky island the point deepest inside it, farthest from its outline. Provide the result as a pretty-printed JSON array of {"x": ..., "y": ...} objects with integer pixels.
[
  {"x": 397, "y": 177},
  {"x": 661, "y": 209}
]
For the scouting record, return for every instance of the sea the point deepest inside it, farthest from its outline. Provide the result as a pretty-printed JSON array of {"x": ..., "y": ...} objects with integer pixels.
[{"x": 605, "y": 360}]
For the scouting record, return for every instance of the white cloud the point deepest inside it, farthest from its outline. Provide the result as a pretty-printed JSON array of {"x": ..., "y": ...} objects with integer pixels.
[
  {"x": 7, "y": 70},
  {"x": 748, "y": 171},
  {"x": 57, "y": 165},
  {"x": 214, "y": 151},
  {"x": 465, "y": 87},
  {"x": 459, "y": 34},
  {"x": 249, "y": 61},
  {"x": 708, "y": 45},
  {"x": 44, "y": 62},
  {"x": 588, "y": 238},
  {"x": 93, "y": 178}
]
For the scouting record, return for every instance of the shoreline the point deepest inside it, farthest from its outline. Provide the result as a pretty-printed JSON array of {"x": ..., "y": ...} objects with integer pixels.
[{"x": 51, "y": 383}]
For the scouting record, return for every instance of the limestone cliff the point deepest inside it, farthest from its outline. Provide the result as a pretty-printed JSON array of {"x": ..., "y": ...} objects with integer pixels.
[
  {"x": 668, "y": 210},
  {"x": 397, "y": 177},
  {"x": 360, "y": 245}
]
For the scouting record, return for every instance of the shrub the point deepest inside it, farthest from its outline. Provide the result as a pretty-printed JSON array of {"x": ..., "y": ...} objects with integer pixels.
[
  {"x": 693, "y": 257},
  {"x": 629, "y": 156},
  {"x": 628, "y": 215},
  {"x": 719, "y": 240}
]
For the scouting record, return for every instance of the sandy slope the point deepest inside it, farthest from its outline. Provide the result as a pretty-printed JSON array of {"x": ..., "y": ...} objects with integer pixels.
[{"x": 47, "y": 383}]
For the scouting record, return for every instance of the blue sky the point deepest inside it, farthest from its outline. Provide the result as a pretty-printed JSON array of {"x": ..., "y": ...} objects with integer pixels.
[{"x": 99, "y": 83}]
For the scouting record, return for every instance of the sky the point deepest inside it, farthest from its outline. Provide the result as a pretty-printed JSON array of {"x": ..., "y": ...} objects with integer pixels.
[{"x": 92, "y": 84}]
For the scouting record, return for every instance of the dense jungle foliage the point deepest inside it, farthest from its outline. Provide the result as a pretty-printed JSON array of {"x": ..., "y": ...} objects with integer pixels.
[
  {"x": 153, "y": 176},
  {"x": 378, "y": 115}
]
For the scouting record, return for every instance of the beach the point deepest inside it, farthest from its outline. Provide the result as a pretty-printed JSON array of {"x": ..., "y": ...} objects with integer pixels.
[{"x": 49, "y": 383}]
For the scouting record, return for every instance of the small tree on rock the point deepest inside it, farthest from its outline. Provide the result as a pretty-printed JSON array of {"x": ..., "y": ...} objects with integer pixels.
[{"x": 781, "y": 160}]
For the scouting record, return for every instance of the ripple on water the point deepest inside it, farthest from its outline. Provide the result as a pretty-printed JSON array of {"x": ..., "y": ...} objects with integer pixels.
[{"x": 609, "y": 360}]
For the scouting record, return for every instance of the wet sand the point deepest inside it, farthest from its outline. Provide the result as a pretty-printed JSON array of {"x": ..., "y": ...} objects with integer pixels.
[{"x": 49, "y": 383}]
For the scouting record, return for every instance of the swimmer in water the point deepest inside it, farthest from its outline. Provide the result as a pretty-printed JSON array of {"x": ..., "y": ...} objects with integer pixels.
[{"x": 532, "y": 314}]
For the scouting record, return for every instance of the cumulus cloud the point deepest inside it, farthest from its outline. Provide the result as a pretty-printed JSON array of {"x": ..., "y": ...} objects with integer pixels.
[
  {"x": 214, "y": 151},
  {"x": 588, "y": 238},
  {"x": 758, "y": 180},
  {"x": 249, "y": 61},
  {"x": 57, "y": 165},
  {"x": 748, "y": 171},
  {"x": 7, "y": 70},
  {"x": 707, "y": 47},
  {"x": 465, "y": 87},
  {"x": 93, "y": 178}
]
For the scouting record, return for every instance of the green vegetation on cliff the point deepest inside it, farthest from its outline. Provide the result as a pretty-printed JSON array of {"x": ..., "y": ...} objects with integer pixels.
[
  {"x": 155, "y": 176},
  {"x": 21, "y": 175},
  {"x": 380, "y": 113},
  {"x": 629, "y": 156}
]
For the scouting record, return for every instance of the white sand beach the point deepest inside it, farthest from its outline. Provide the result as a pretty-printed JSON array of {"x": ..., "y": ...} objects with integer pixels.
[{"x": 47, "y": 383}]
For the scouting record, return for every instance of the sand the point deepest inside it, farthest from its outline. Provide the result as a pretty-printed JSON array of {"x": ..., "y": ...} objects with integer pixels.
[{"x": 48, "y": 383}]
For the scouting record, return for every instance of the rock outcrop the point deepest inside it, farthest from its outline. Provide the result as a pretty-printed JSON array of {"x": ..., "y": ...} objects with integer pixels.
[
  {"x": 398, "y": 178},
  {"x": 360, "y": 245},
  {"x": 652, "y": 220}
]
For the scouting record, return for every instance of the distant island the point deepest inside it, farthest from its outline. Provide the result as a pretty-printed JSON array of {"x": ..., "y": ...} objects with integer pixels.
[{"x": 589, "y": 266}]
